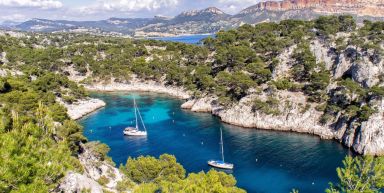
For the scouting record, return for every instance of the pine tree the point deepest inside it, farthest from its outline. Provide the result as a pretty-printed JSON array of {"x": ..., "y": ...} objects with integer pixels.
[{"x": 360, "y": 174}]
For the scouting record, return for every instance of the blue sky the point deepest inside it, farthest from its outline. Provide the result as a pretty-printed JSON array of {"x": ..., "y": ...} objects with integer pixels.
[{"x": 21, "y": 10}]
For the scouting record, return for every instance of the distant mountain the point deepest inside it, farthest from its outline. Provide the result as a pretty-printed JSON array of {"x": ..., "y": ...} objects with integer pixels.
[
  {"x": 373, "y": 8},
  {"x": 208, "y": 20},
  {"x": 126, "y": 25},
  {"x": 211, "y": 19},
  {"x": 309, "y": 9},
  {"x": 211, "y": 14},
  {"x": 8, "y": 23}
]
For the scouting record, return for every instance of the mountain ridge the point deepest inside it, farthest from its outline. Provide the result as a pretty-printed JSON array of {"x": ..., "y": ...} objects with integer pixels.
[
  {"x": 374, "y": 8},
  {"x": 209, "y": 20}
]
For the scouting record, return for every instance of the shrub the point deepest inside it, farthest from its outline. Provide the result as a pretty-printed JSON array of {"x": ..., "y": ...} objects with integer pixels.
[
  {"x": 269, "y": 107},
  {"x": 103, "y": 180},
  {"x": 98, "y": 149}
]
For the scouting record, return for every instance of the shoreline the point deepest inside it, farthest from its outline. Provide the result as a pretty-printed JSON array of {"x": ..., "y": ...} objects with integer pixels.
[
  {"x": 82, "y": 108},
  {"x": 149, "y": 86},
  {"x": 240, "y": 115},
  {"x": 172, "y": 36}
]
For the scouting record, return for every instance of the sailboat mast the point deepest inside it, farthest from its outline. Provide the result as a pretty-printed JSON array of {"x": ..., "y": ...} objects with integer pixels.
[
  {"x": 141, "y": 119},
  {"x": 135, "y": 109},
  {"x": 222, "y": 144}
]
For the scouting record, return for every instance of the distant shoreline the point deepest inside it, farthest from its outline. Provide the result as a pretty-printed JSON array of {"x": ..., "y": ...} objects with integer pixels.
[{"x": 172, "y": 36}]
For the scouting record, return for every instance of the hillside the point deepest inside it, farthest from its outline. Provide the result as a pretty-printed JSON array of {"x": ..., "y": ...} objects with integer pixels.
[{"x": 327, "y": 72}]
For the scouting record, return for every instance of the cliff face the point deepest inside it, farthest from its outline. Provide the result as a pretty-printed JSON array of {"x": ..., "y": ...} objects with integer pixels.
[
  {"x": 299, "y": 115},
  {"x": 374, "y": 8},
  {"x": 367, "y": 138},
  {"x": 94, "y": 169}
]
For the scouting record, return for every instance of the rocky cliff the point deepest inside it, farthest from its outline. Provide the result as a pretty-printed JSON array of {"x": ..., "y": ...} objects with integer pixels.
[
  {"x": 298, "y": 115},
  {"x": 374, "y": 8},
  {"x": 94, "y": 168},
  {"x": 367, "y": 138}
]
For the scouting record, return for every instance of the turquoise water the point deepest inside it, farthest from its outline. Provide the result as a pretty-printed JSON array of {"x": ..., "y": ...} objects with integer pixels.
[
  {"x": 190, "y": 39},
  {"x": 265, "y": 161}
]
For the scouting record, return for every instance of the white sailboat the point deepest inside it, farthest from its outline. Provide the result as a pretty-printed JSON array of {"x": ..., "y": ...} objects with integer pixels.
[
  {"x": 221, "y": 163},
  {"x": 135, "y": 131}
]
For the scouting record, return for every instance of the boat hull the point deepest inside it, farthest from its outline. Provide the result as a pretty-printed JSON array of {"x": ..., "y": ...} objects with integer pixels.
[
  {"x": 134, "y": 132},
  {"x": 220, "y": 164}
]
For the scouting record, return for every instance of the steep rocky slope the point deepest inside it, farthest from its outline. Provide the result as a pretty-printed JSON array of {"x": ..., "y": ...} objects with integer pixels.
[
  {"x": 95, "y": 168},
  {"x": 303, "y": 9},
  {"x": 299, "y": 115}
]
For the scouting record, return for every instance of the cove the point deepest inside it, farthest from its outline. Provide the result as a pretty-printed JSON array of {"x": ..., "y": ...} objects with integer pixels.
[{"x": 265, "y": 161}]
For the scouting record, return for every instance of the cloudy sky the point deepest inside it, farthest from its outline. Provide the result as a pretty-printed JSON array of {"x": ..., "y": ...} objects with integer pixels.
[{"x": 20, "y": 10}]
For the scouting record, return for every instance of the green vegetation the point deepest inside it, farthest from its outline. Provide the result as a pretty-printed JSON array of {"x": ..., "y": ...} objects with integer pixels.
[
  {"x": 149, "y": 169},
  {"x": 35, "y": 153},
  {"x": 269, "y": 107},
  {"x": 360, "y": 174},
  {"x": 166, "y": 175}
]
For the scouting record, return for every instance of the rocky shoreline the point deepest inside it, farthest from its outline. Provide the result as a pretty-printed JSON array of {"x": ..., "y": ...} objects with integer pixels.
[
  {"x": 369, "y": 141},
  {"x": 83, "y": 107}
]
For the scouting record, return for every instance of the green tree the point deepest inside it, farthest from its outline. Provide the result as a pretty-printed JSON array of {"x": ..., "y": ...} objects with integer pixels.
[
  {"x": 149, "y": 169},
  {"x": 360, "y": 174},
  {"x": 236, "y": 84},
  {"x": 211, "y": 181},
  {"x": 305, "y": 62}
]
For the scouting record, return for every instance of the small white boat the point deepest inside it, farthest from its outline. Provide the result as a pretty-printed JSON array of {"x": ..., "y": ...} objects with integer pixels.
[
  {"x": 221, "y": 163},
  {"x": 135, "y": 131}
]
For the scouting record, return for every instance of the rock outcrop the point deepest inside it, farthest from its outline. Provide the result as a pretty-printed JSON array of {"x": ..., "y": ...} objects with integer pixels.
[
  {"x": 75, "y": 182},
  {"x": 94, "y": 168},
  {"x": 82, "y": 107}
]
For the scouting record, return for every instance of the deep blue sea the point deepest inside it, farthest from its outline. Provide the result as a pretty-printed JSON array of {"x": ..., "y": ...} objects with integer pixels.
[
  {"x": 265, "y": 161},
  {"x": 189, "y": 39}
]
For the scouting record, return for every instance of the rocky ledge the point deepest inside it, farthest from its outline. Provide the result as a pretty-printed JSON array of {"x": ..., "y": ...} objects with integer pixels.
[{"x": 82, "y": 107}]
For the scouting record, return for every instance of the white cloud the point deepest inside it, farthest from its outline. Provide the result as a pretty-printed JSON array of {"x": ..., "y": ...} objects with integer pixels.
[
  {"x": 42, "y": 4},
  {"x": 127, "y": 5},
  {"x": 13, "y": 17}
]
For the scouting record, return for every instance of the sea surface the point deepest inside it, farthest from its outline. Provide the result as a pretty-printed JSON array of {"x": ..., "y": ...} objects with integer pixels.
[
  {"x": 265, "y": 161},
  {"x": 188, "y": 39}
]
